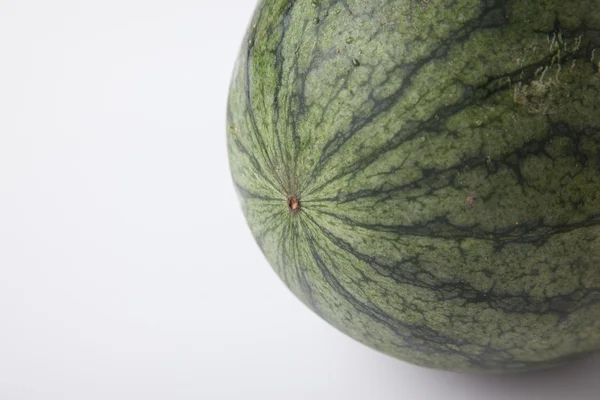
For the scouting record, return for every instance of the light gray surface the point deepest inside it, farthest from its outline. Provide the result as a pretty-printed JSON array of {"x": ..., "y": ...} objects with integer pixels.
[{"x": 126, "y": 270}]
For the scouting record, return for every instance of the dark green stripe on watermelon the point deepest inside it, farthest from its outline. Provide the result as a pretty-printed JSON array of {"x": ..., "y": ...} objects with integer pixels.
[{"x": 443, "y": 163}]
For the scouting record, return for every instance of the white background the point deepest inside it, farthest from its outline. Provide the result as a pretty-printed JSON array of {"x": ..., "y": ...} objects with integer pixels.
[{"x": 126, "y": 268}]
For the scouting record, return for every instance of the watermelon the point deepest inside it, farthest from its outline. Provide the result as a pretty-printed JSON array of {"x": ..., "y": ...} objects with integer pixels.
[{"x": 425, "y": 174}]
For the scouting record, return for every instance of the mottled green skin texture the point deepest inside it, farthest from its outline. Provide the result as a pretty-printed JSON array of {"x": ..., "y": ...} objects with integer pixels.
[{"x": 446, "y": 155}]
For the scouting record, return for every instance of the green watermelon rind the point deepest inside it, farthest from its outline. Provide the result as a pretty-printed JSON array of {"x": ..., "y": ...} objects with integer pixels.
[{"x": 443, "y": 160}]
